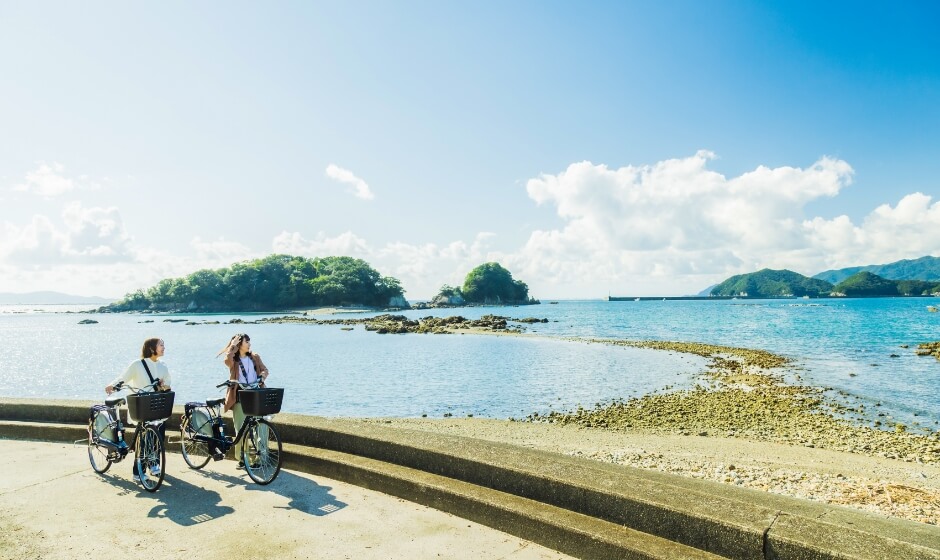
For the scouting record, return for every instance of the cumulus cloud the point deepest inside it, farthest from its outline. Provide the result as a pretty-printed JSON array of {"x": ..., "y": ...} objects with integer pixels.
[
  {"x": 358, "y": 187},
  {"x": 50, "y": 181},
  {"x": 909, "y": 229},
  {"x": 677, "y": 226},
  {"x": 346, "y": 244},
  {"x": 83, "y": 234}
]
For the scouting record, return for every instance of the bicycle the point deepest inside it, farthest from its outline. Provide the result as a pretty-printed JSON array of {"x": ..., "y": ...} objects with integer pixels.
[
  {"x": 202, "y": 431},
  {"x": 106, "y": 445}
]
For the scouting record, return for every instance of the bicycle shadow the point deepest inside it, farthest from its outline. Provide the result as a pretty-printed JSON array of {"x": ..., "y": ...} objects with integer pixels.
[
  {"x": 177, "y": 500},
  {"x": 304, "y": 494}
]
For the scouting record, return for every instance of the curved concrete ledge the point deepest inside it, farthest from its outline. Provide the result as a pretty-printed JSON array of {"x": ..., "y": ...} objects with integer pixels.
[{"x": 699, "y": 515}]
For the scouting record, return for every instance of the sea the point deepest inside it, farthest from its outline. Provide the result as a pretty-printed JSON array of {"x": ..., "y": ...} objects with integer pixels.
[{"x": 860, "y": 348}]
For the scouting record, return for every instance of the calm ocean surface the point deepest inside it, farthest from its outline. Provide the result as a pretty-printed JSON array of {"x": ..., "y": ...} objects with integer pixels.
[{"x": 44, "y": 352}]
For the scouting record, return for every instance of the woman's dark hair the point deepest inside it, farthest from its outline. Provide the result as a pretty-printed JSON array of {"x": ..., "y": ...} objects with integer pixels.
[
  {"x": 242, "y": 337},
  {"x": 149, "y": 348}
]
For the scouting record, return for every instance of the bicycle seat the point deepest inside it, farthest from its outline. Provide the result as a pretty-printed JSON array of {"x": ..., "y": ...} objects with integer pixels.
[
  {"x": 116, "y": 401},
  {"x": 214, "y": 402}
]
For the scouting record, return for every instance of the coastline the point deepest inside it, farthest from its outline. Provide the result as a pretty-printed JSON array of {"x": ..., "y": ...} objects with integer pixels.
[
  {"x": 747, "y": 427},
  {"x": 751, "y": 413}
]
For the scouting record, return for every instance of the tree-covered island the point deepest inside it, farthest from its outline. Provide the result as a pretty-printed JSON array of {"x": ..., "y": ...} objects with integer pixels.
[
  {"x": 769, "y": 283},
  {"x": 276, "y": 282},
  {"x": 487, "y": 284}
]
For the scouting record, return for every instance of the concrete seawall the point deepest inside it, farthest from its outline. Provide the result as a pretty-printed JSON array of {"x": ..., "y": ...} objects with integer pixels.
[{"x": 581, "y": 507}]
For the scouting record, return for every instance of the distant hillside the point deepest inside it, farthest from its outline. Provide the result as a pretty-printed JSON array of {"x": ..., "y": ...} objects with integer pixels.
[
  {"x": 924, "y": 268},
  {"x": 866, "y": 284},
  {"x": 48, "y": 298},
  {"x": 772, "y": 283},
  {"x": 707, "y": 291}
]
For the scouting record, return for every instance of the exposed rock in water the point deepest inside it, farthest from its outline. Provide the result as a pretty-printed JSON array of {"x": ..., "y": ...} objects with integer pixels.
[{"x": 929, "y": 349}]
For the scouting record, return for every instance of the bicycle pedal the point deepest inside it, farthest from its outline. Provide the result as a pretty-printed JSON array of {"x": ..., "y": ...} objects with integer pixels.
[{"x": 218, "y": 456}]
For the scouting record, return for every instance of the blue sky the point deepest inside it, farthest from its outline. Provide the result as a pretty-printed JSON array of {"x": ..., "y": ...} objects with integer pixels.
[{"x": 629, "y": 148}]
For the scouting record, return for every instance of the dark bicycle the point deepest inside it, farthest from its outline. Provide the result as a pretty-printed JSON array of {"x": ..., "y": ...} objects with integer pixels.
[
  {"x": 202, "y": 431},
  {"x": 106, "y": 445}
]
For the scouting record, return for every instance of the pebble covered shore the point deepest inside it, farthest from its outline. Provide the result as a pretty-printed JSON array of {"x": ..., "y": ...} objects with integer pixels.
[{"x": 745, "y": 398}]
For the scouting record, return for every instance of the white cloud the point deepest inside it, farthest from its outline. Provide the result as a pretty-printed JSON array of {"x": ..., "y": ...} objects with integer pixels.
[
  {"x": 346, "y": 244},
  {"x": 909, "y": 229},
  {"x": 50, "y": 181},
  {"x": 677, "y": 226},
  {"x": 220, "y": 251},
  {"x": 84, "y": 234},
  {"x": 359, "y": 188}
]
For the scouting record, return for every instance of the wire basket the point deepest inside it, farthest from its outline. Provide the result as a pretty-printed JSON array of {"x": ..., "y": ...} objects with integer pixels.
[
  {"x": 150, "y": 406},
  {"x": 261, "y": 402}
]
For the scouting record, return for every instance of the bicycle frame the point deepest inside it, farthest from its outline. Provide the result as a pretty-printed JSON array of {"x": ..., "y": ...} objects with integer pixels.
[
  {"x": 119, "y": 445},
  {"x": 203, "y": 435},
  {"x": 223, "y": 443}
]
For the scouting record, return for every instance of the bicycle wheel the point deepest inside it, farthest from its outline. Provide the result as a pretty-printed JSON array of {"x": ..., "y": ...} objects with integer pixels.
[
  {"x": 195, "y": 453},
  {"x": 262, "y": 454},
  {"x": 150, "y": 458},
  {"x": 97, "y": 455}
]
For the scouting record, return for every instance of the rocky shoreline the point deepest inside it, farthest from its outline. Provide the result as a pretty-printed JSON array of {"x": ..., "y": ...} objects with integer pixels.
[
  {"x": 744, "y": 396},
  {"x": 399, "y": 324}
]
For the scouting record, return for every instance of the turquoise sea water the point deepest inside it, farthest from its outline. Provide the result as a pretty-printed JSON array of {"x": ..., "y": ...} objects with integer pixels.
[{"x": 844, "y": 344}]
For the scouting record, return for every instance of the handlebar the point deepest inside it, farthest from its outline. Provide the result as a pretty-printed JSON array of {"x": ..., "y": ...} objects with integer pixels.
[
  {"x": 146, "y": 389},
  {"x": 231, "y": 383}
]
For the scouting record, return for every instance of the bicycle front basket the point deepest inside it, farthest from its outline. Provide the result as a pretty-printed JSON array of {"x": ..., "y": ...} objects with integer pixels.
[
  {"x": 150, "y": 406},
  {"x": 261, "y": 402}
]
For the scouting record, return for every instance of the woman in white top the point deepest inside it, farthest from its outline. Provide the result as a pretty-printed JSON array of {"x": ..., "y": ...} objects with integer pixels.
[
  {"x": 246, "y": 367},
  {"x": 136, "y": 376}
]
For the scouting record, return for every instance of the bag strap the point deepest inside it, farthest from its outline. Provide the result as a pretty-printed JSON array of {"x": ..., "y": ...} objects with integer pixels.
[
  {"x": 245, "y": 373},
  {"x": 148, "y": 370}
]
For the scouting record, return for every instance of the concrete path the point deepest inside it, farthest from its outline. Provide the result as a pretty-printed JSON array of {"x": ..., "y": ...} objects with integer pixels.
[{"x": 53, "y": 506}]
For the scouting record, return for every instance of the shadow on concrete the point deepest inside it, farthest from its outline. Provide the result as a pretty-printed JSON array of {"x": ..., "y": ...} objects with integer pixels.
[
  {"x": 177, "y": 500},
  {"x": 305, "y": 495}
]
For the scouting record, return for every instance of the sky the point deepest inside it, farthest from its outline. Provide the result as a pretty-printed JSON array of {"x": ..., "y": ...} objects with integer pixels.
[{"x": 591, "y": 148}]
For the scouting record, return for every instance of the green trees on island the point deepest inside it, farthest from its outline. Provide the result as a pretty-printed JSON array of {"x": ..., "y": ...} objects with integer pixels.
[
  {"x": 280, "y": 282},
  {"x": 925, "y": 268},
  {"x": 772, "y": 283},
  {"x": 488, "y": 283},
  {"x": 863, "y": 284},
  {"x": 491, "y": 283},
  {"x": 785, "y": 283},
  {"x": 866, "y": 284},
  {"x": 274, "y": 282}
]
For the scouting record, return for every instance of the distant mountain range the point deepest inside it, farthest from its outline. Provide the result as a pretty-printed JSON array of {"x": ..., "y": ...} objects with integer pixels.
[
  {"x": 48, "y": 298},
  {"x": 924, "y": 268},
  {"x": 919, "y": 277},
  {"x": 902, "y": 278}
]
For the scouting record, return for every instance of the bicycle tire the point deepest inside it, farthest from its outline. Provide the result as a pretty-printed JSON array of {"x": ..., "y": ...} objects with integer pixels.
[
  {"x": 262, "y": 453},
  {"x": 195, "y": 453},
  {"x": 149, "y": 452},
  {"x": 97, "y": 455}
]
